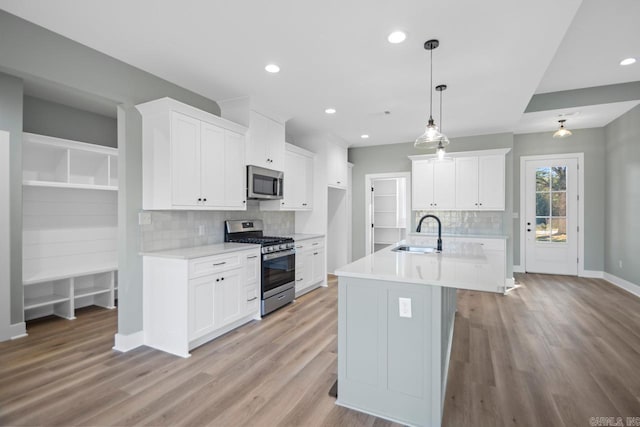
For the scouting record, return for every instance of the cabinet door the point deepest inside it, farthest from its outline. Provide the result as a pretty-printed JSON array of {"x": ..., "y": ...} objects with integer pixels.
[
  {"x": 212, "y": 161},
  {"x": 444, "y": 185},
  {"x": 185, "y": 160},
  {"x": 235, "y": 176},
  {"x": 491, "y": 184},
  {"x": 266, "y": 142},
  {"x": 294, "y": 180},
  {"x": 201, "y": 306},
  {"x": 229, "y": 297},
  {"x": 307, "y": 200},
  {"x": 422, "y": 185},
  {"x": 467, "y": 183},
  {"x": 337, "y": 166},
  {"x": 252, "y": 269},
  {"x": 318, "y": 265}
]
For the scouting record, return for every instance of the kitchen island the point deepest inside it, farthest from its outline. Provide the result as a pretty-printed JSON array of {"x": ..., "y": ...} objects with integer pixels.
[{"x": 395, "y": 326}]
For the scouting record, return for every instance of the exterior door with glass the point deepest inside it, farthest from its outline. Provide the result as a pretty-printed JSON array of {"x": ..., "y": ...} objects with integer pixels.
[{"x": 551, "y": 209}]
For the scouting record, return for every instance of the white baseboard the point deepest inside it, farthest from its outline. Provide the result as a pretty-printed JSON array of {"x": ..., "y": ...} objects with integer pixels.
[
  {"x": 14, "y": 331},
  {"x": 518, "y": 269},
  {"x": 621, "y": 283},
  {"x": 125, "y": 343},
  {"x": 593, "y": 274}
]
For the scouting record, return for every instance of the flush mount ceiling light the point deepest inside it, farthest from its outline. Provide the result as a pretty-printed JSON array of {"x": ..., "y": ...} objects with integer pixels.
[
  {"x": 397, "y": 37},
  {"x": 365, "y": 136},
  {"x": 330, "y": 111},
  {"x": 272, "y": 68},
  {"x": 562, "y": 132},
  {"x": 431, "y": 138},
  {"x": 628, "y": 61}
]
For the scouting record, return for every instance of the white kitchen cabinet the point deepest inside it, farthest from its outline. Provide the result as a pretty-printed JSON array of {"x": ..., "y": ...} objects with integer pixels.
[
  {"x": 337, "y": 167},
  {"x": 480, "y": 182},
  {"x": 310, "y": 264},
  {"x": 265, "y": 147},
  {"x": 191, "y": 159},
  {"x": 473, "y": 180},
  {"x": 190, "y": 301},
  {"x": 298, "y": 182},
  {"x": 433, "y": 185}
]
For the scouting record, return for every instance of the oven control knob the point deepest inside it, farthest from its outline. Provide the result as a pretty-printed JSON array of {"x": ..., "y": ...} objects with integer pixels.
[
  {"x": 291, "y": 245},
  {"x": 283, "y": 246}
]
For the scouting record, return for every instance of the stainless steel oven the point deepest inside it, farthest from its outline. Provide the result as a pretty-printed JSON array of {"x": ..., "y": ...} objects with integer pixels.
[
  {"x": 278, "y": 279},
  {"x": 264, "y": 183}
]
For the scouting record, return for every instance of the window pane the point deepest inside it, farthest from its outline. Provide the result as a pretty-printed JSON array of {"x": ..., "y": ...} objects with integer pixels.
[
  {"x": 542, "y": 204},
  {"x": 559, "y": 230},
  {"x": 559, "y": 204},
  {"x": 542, "y": 179},
  {"x": 559, "y": 178},
  {"x": 542, "y": 229}
]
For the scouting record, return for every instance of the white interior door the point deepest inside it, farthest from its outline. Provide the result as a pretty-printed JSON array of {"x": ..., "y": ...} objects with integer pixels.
[{"x": 551, "y": 216}]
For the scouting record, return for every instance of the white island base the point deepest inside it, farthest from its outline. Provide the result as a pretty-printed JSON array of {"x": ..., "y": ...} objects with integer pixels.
[{"x": 394, "y": 342}]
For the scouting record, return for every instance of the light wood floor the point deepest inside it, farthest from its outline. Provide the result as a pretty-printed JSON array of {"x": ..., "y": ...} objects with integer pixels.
[{"x": 554, "y": 352}]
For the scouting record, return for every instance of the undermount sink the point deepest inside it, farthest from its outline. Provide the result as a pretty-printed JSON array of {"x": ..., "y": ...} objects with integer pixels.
[{"x": 415, "y": 249}]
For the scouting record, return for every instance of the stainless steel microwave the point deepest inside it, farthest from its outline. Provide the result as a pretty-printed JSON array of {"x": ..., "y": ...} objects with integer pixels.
[{"x": 264, "y": 183}]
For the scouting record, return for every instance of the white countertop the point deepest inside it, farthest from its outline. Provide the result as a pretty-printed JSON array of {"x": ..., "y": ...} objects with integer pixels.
[
  {"x": 201, "y": 251},
  {"x": 300, "y": 236},
  {"x": 462, "y": 265}
]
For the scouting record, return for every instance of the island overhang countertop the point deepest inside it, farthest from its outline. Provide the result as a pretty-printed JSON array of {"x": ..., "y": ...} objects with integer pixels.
[{"x": 461, "y": 265}]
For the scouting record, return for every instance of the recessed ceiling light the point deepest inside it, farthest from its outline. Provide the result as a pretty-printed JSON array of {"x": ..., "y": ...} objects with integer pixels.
[
  {"x": 272, "y": 68},
  {"x": 397, "y": 37},
  {"x": 365, "y": 136},
  {"x": 330, "y": 111},
  {"x": 628, "y": 61}
]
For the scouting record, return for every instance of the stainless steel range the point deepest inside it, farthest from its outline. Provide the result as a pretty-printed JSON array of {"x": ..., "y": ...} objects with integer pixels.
[{"x": 278, "y": 261}]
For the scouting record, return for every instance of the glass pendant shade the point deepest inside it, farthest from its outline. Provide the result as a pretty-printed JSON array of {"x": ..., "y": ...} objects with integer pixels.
[
  {"x": 562, "y": 132},
  {"x": 431, "y": 138}
]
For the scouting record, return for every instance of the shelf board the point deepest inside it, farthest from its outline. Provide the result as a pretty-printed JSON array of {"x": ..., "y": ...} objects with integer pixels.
[
  {"x": 85, "y": 292},
  {"x": 44, "y": 300},
  {"x": 51, "y": 275},
  {"x": 385, "y": 195},
  {"x": 388, "y": 226},
  {"x": 55, "y": 184}
]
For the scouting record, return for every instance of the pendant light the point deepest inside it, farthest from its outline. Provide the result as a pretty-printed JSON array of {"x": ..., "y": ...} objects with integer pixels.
[
  {"x": 431, "y": 138},
  {"x": 562, "y": 132},
  {"x": 440, "y": 151}
]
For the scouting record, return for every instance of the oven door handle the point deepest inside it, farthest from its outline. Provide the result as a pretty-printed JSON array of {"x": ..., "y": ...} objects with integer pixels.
[{"x": 280, "y": 254}]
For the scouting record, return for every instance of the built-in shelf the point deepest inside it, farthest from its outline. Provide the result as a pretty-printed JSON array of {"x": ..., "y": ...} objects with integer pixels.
[
  {"x": 45, "y": 300},
  {"x": 53, "y": 184},
  {"x": 79, "y": 293}
]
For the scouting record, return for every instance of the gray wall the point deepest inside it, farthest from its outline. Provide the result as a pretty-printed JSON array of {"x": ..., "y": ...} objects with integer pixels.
[
  {"x": 622, "y": 199},
  {"x": 53, "y": 119},
  {"x": 33, "y": 52},
  {"x": 591, "y": 142},
  {"x": 11, "y": 93},
  {"x": 394, "y": 158}
]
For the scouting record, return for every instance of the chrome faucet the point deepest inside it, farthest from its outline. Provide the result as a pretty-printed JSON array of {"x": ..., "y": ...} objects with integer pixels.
[{"x": 439, "y": 248}]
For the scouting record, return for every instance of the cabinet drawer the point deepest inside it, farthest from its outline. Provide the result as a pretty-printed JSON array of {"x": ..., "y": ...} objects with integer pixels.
[
  {"x": 208, "y": 265},
  {"x": 309, "y": 244}
]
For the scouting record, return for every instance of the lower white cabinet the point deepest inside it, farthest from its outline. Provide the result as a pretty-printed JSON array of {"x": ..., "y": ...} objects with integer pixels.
[
  {"x": 310, "y": 265},
  {"x": 188, "y": 302}
]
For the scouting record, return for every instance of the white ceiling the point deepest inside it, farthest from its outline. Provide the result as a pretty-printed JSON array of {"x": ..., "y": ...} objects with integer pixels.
[{"x": 493, "y": 55}]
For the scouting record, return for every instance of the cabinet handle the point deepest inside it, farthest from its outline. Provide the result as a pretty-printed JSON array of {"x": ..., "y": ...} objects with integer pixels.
[
  {"x": 204, "y": 200},
  {"x": 338, "y": 182},
  {"x": 250, "y": 257},
  {"x": 480, "y": 204},
  {"x": 222, "y": 278},
  {"x": 281, "y": 296},
  {"x": 282, "y": 203},
  {"x": 300, "y": 279},
  {"x": 315, "y": 253},
  {"x": 217, "y": 280},
  {"x": 315, "y": 244},
  {"x": 298, "y": 247},
  {"x": 244, "y": 201},
  {"x": 200, "y": 199},
  {"x": 252, "y": 299},
  {"x": 220, "y": 263}
]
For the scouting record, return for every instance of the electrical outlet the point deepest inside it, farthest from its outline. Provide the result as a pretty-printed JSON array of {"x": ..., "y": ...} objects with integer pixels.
[
  {"x": 144, "y": 218},
  {"x": 201, "y": 230},
  {"x": 404, "y": 305},
  {"x": 619, "y": 263}
]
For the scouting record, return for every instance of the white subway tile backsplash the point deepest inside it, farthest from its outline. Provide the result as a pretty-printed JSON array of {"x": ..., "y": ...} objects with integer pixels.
[
  {"x": 178, "y": 229},
  {"x": 463, "y": 222}
]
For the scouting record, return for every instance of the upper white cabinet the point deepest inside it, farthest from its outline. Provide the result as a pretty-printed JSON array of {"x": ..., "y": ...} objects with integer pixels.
[
  {"x": 468, "y": 181},
  {"x": 266, "y": 142},
  {"x": 480, "y": 182},
  {"x": 433, "y": 185},
  {"x": 265, "y": 139},
  {"x": 191, "y": 159},
  {"x": 336, "y": 166},
  {"x": 298, "y": 182}
]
